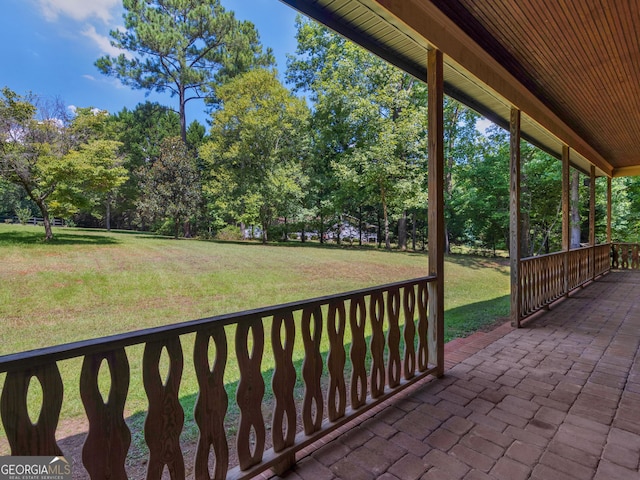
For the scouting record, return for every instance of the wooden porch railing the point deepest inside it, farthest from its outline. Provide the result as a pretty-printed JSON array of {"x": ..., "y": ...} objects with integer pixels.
[
  {"x": 546, "y": 278},
  {"x": 398, "y": 353},
  {"x": 625, "y": 256}
]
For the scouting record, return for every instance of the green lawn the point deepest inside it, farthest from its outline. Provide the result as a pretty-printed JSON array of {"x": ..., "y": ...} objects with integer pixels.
[{"x": 91, "y": 283}]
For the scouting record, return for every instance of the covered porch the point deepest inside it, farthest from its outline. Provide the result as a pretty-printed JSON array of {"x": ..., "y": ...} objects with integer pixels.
[{"x": 555, "y": 399}]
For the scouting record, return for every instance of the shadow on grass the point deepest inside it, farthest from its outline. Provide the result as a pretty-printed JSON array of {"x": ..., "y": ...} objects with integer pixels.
[
  {"x": 467, "y": 319},
  {"x": 36, "y": 237},
  {"x": 476, "y": 263}
]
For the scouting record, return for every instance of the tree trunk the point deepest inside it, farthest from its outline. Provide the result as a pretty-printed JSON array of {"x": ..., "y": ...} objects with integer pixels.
[
  {"x": 447, "y": 243},
  {"x": 108, "y": 216},
  {"x": 379, "y": 228},
  {"x": 321, "y": 229},
  {"x": 360, "y": 226},
  {"x": 575, "y": 209},
  {"x": 48, "y": 233},
  {"x": 242, "y": 229},
  {"x": 176, "y": 228},
  {"x": 525, "y": 244},
  {"x": 339, "y": 230},
  {"x": 387, "y": 240},
  {"x": 303, "y": 235},
  {"x": 39, "y": 201},
  {"x": 402, "y": 232},
  {"x": 183, "y": 115},
  {"x": 414, "y": 222}
]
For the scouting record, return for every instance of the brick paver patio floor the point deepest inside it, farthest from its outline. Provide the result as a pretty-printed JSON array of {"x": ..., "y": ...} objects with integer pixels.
[{"x": 558, "y": 399}]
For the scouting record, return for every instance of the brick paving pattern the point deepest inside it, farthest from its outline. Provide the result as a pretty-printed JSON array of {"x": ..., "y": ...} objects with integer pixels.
[{"x": 557, "y": 399}]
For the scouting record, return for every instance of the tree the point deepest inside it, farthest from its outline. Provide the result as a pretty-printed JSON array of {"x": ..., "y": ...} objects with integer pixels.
[
  {"x": 371, "y": 119},
  {"x": 258, "y": 143},
  {"x": 99, "y": 157},
  {"x": 171, "y": 185},
  {"x": 481, "y": 200},
  {"x": 141, "y": 131},
  {"x": 185, "y": 47},
  {"x": 50, "y": 157},
  {"x": 461, "y": 148}
]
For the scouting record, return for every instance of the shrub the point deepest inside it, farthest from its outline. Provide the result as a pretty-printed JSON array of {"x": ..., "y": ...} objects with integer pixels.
[
  {"x": 230, "y": 232},
  {"x": 24, "y": 215}
]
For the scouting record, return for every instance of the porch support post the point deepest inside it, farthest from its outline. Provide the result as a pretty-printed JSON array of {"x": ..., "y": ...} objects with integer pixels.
[
  {"x": 566, "y": 220},
  {"x": 436, "y": 209},
  {"x": 609, "y": 210},
  {"x": 592, "y": 219},
  {"x": 514, "y": 224}
]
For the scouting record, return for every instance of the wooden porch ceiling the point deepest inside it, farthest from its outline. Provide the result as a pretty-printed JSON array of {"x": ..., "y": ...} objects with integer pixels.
[{"x": 571, "y": 66}]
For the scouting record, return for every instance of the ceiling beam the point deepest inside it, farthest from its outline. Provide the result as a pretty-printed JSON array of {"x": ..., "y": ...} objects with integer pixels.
[{"x": 632, "y": 171}]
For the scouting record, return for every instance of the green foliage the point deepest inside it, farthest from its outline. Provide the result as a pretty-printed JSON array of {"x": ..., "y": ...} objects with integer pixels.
[
  {"x": 258, "y": 143},
  {"x": 61, "y": 164},
  {"x": 24, "y": 215},
  {"x": 230, "y": 232},
  {"x": 369, "y": 121},
  {"x": 186, "y": 47},
  {"x": 171, "y": 186}
]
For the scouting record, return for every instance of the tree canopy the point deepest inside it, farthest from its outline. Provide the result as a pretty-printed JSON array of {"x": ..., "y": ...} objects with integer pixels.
[
  {"x": 186, "y": 47},
  {"x": 258, "y": 141},
  {"x": 60, "y": 163}
]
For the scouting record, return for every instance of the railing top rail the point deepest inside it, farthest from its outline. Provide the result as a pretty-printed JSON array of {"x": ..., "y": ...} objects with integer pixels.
[
  {"x": 32, "y": 358},
  {"x": 546, "y": 255},
  {"x": 561, "y": 252}
]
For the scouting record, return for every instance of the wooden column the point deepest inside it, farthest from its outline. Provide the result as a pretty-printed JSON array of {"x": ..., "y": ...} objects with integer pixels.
[
  {"x": 514, "y": 225},
  {"x": 436, "y": 209},
  {"x": 608, "y": 209},
  {"x": 566, "y": 212},
  {"x": 592, "y": 219}
]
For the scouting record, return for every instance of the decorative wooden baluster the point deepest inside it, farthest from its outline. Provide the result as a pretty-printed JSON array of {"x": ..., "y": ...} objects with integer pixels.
[
  {"x": 394, "y": 367},
  {"x": 376, "y": 314},
  {"x": 165, "y": 417},
  {"x": 26, "y": 438},
  {"x": 283, "y": 430},
  {"x": 337, "y": 398},
  {"x": 358, "y": 352},
  {"x": 212, "y": 403},
  {"x": 409, "y": 303},
  {"x": 423, "y": 327},
  {"x": 250, "y": 392},
  {"x": 625, "y": 256},
  {"x": 104, "y": 453},
  {"x": 614, "y": 256},
  {"x": 313, "y": 403},
  {"x": 634, "y": 257}
]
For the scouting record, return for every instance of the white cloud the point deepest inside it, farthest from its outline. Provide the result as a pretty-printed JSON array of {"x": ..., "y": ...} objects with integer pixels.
[
  {"x": 89, "y": 77},
  {"x": 482, "y": 124},
  {"x": 72, "y": 108},
  {"x": 103, "y": 42},
  {"x": 79, "y": 9}
]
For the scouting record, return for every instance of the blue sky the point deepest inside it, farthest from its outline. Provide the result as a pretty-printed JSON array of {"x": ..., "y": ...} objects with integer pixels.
[{"x": 49, "y": 47}]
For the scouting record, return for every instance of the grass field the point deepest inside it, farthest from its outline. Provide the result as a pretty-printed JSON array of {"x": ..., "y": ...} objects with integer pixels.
[{"x": 90, "y": 283}]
